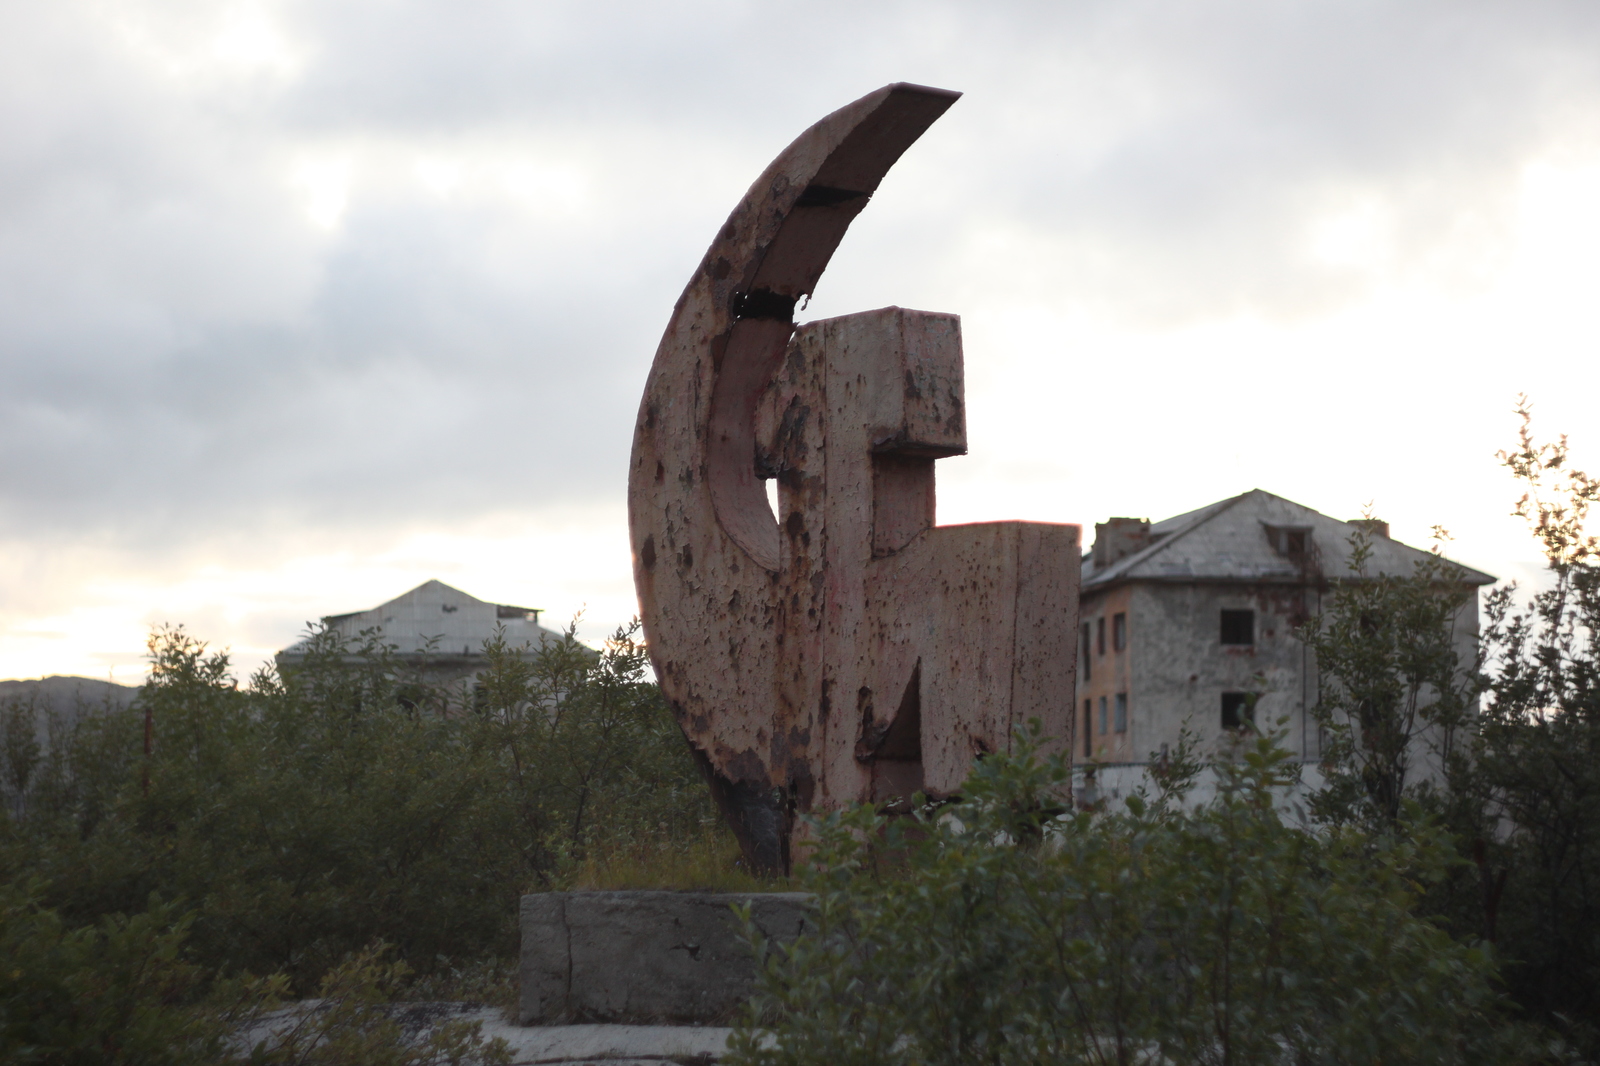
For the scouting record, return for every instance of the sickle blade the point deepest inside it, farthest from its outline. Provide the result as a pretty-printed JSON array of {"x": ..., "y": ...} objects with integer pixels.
[{"x": 707, "y": 552}]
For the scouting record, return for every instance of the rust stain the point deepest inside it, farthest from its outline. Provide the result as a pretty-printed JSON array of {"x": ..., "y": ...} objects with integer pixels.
[{"x": 857, "y": 590}]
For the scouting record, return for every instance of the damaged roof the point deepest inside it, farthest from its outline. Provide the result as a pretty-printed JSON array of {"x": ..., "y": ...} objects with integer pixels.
[
  {"x": 439, "y": 618},
  {"x": 1243, "y": 538}
]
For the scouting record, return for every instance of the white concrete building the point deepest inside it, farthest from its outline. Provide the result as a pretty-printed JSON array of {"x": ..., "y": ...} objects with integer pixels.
[
  {"x": 437, "y": 628},
  {"x": 1190, "y": 622}
]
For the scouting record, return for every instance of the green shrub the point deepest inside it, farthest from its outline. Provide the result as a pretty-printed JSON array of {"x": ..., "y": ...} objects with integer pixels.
[
  {"x": 1518, "y": 739},
  {"x": 1533, "y": 883},
  {"x": 306, "y": 815},
  {"x": 348, "y": 1025},
  {"x": 1392, "y": 689},
  {"x": 1006, "y": 928},
  {"x": 121, "y": 992},
  {"x": 115, "y": 992}
]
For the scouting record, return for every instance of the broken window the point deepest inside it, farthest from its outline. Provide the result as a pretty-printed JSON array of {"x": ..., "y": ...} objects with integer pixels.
[
  {"x": 1119, "y": 631},
  {"x": 1121, "y": 720},
  {"x": 1105, "y": 724},
  {"x": 1238, "y": 627},
  {"x": 1293, "y": 541},
  {"x": 1238, "y": 710}
]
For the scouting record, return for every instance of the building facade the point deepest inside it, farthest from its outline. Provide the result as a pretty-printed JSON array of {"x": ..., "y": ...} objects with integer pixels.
[
  {"x": 438, "y": 630},
  {"x": 1190, "y": 623}
]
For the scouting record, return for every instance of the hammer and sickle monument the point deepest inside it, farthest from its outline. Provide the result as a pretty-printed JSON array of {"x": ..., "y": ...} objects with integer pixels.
[{"x": 846, "y": 649}]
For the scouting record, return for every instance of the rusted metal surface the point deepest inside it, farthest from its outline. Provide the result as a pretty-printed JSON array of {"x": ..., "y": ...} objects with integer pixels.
[{"x": 845, "y": 649}]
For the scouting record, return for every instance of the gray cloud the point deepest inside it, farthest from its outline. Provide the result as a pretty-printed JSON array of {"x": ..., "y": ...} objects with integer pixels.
[{"x": 186, "y": 354}]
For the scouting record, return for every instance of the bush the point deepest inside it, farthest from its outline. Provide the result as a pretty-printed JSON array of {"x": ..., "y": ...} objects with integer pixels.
[
  {"x": 1006, "y": 928},
  {"x": 1535, "y": 781},
  {"x": 1393, "y": 692},
  {"x": 122, "y": 993},
  {"x": 306, "y": 815},
  {"x": 116, "y": 992},
  {"x": 348, "y": 1024}
]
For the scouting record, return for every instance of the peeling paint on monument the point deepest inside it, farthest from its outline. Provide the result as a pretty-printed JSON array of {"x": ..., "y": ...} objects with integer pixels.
[{"x": 846, "y": 649}]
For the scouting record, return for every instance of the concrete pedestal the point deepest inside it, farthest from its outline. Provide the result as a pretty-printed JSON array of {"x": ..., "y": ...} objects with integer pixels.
[{"x": 644, "y": 958}]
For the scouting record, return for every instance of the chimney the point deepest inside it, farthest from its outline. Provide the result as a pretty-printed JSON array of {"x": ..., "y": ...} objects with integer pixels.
[
  {"x": 1374, "y": 527},
  {"x": 1119, "y": 538}
]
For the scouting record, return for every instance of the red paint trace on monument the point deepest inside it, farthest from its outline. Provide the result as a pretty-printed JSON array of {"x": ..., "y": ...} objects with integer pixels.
[{"x": 847, "y": 649}]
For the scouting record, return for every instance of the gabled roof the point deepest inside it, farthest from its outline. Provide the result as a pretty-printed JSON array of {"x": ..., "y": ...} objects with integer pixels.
[
  {"x": 1231, "y": 540},
  {"x": 457, "y": 624}
]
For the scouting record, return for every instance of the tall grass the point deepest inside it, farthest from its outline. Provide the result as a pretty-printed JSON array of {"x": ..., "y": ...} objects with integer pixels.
[{"x": 706, "y": 861}]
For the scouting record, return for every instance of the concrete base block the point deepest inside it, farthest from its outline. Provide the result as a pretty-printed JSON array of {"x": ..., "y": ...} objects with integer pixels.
[{"x": 643, "y": 958}]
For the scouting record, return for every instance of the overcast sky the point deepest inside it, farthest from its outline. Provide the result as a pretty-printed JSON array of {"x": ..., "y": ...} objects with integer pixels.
[{"x": 302, "y": 304}]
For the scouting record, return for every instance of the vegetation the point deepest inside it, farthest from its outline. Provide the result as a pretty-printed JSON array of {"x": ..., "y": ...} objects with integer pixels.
[
  {"x": 348, "y": 1023},
  {"x": 296, "y": 821},
  {"x": 121, "y": 992},
  {"x": 305, "y": 815},
  {"x": 109, "y": 992},
  {"x": 1535, "y": 782},
  {"x": 1394, "y": 692},
  {"x": 1015, "y": 931},
  {"x": 1518, "y": 786}
]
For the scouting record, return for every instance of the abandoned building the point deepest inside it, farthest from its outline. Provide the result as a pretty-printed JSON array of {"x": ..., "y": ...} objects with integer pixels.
[
  {"x": 438, "y": 630},
  {"x": 1190, "y": 622}
]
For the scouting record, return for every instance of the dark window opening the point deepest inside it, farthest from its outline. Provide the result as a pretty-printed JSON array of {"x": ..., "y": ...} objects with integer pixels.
[
  {"x": 1293, "y": 541},
  {"x": 1100, "y": 635},
  {"x": 1088, "y": 728},
  {"x": 1105, "y": 724},
  {"x": 1238, "y": 710},
  {"x": 1086, "y": 651},
  {"x": 1121, "y": 721},
  {"x": 1119, "y": 631},
  {"x": 1238, "y": 627}
]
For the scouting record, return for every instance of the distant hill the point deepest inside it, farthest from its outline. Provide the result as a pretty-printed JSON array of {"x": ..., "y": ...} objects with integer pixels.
[
  {"x": 68, "y": 693},
  {"x": 67, "y": 697}
]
